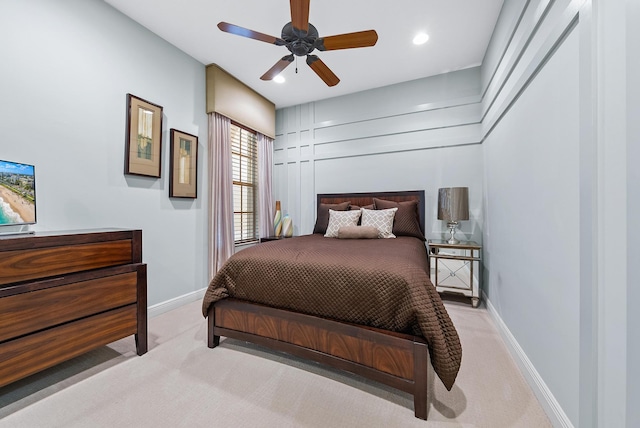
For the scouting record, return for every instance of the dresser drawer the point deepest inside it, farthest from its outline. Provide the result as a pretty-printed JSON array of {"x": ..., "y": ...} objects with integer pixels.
[
  {"x": 26, "y": 264},
  {"x": 32, "y": 311},
  {"x": 65, "y": 293},
  {"x": 30, "y": 354}
]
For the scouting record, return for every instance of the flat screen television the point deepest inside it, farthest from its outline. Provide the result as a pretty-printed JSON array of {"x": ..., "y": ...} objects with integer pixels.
[{"x": 17, "y": 194}]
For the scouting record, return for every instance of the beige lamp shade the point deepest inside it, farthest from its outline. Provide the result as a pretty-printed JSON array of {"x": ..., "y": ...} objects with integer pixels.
[{"x": 453, "y": 204}]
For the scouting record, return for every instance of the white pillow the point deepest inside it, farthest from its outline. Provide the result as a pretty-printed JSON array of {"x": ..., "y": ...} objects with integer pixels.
[
  {"x": 381, "y": 220},
  {"x": 338, "y": 219}
]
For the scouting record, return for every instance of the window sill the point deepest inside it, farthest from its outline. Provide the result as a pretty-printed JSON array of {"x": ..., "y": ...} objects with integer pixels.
[{"x": 242, "y": 245}]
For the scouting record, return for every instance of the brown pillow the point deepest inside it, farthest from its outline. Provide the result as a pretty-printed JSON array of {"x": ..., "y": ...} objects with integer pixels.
[
  {"x": 322, "y": 221},
  {"x": 357, "y": 207},
  {"x": 407, "y": 219},
  {"x": 357, "y": 232}
]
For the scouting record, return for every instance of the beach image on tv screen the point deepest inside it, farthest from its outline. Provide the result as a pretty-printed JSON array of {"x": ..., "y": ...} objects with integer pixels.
[{"x": 17, "y": 193}]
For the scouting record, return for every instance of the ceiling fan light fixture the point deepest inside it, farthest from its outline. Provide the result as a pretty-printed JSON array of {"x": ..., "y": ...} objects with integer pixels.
[
  {"x": 301, "y": 38},
  {"x": 279, "y": 79},
  {"x": 420, "y": 39}
]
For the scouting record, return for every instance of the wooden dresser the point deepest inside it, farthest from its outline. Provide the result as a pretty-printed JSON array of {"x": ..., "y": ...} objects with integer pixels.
[{"x": 63, "y": 294}]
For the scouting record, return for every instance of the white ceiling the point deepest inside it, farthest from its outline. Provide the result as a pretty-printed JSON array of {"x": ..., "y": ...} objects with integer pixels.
[{"x": 459, "y": 32}]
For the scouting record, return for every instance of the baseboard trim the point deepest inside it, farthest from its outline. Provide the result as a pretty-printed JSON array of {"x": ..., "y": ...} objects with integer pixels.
[
  {"x": 552, "y": 408},
  {"x": 176, "y": 302}
]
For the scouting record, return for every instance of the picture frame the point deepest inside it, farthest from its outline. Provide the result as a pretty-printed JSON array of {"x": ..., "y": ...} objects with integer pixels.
[
  {"x": 143, "y": 142},
  {"x": 183, "y": 168}
]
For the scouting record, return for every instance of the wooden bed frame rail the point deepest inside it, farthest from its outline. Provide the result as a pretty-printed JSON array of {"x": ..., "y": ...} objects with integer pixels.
[{"x": 394, "y": 359}]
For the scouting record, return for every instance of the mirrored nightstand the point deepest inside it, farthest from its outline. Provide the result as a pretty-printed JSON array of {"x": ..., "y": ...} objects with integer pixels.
[{"x": 455, "y": 268}]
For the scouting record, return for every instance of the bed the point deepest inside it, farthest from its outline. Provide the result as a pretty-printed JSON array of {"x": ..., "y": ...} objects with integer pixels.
[{"x": 365, "y": 306}]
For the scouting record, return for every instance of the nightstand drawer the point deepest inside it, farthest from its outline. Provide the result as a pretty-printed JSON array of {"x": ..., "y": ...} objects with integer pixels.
[
  {"x": 455, "y": 268},
  {"x": 453, "y": 252},
  {"x": 453, "y": 273}
]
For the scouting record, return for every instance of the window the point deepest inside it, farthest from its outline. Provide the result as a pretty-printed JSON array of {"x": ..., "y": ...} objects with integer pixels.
[{"x": 244, "y": 155}]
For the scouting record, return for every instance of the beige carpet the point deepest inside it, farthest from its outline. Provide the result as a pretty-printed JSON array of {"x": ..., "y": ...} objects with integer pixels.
[{"x": 182, "y": 383}]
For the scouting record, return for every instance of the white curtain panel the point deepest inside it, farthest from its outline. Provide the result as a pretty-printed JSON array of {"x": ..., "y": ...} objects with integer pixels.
[
  {"x": 221, "y": 241},
  {"x": 265, "y": 198}
]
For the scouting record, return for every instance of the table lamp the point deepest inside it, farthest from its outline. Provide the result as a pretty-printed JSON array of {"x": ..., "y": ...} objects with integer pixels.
[{"x": 453, "y": 206}]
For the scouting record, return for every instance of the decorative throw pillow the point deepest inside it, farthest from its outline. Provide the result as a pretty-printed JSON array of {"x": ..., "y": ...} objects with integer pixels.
[
  {"x": 407, "y": 219},
  {"x": 338, "y": 219},
  {"x": 322, "y": 220},
  {"x": 356, "y": 207},
  {"x": 381, "y": 220},
  {"x": 357, "y": 232}
]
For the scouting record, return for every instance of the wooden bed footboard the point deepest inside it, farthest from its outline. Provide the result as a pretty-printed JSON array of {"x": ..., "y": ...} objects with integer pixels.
[{"x": 394, "y": 359}]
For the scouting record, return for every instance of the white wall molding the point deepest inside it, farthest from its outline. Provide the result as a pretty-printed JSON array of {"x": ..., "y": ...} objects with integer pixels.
[
  {"x": 419, "y": 108},
  {"x": 421, "y": 134},
  {"x": 540, "y": 389},
  {"x": 459, "y": 135},
  {"x": 611, "y": 54},
  {"x": 501, "y": 39},
  {"x": 541, "y": 42},
  {"x": 430, "y": 119},
  {"x": 521, "y": 36},
  {"x": 175, "y": 303},
  {"x": 589, "y": 246}
]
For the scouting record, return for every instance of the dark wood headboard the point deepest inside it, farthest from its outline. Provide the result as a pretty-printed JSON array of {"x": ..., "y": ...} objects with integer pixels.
[{"x": 362, "y": 199}]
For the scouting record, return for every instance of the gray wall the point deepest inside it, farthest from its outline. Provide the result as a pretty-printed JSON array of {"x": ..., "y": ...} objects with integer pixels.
[
  {"x": 532, "y": 203},
  {"x": 65, "y": 71},
  {"x": 560, "y": 84},
  {"x": 416, "y": 135},
  {"x": 633, "y": 210}
]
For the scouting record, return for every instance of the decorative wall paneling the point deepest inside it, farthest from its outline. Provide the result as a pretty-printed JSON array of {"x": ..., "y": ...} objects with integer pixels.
[
  {"x": 389, "y": 138},
  {"x": 534, "y": 44},
  {"x": 503, "y": 33},
  {"x": 541, "y": 72}
]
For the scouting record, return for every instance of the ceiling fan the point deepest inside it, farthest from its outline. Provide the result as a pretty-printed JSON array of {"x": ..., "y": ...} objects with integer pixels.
[{"x": 301, "y": 38}]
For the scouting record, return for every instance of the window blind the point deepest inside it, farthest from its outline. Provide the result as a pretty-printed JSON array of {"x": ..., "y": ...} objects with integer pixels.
[{"x": 244, "y": 156}]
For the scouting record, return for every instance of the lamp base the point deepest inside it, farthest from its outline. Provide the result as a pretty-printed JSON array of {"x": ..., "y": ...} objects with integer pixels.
[{"x": 452, "y": 231}]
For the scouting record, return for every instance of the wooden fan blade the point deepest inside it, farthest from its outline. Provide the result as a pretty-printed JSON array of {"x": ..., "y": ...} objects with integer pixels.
[
  {"x": 359, "y": 39},
  {"x": 322, "y": 70},
  {"x": 245, "y": 32},
  {"x": 300, "y": 14},
  {"x": 278, "y": 67}
]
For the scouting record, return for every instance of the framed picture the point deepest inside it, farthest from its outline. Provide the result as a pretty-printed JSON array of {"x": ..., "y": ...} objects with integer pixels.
[
  {"x": 183, "y": 169},
  {"x": 143, "y": 151}
]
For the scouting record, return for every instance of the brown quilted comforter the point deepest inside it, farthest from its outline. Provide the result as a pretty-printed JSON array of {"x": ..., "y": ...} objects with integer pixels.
[{"x": 382, "y": 283}]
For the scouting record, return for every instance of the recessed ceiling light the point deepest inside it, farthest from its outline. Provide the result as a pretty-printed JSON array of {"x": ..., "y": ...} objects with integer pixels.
[
  {"x": 420, "y": 38},
  {"x": 278, "y": 79}
]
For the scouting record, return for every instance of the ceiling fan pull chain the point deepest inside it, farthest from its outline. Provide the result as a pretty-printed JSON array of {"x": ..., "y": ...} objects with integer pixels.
[{"x": 296, "y": 65}]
